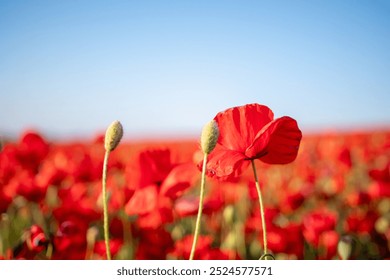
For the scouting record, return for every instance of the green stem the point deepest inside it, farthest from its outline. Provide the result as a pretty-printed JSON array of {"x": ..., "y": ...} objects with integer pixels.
[
  {"x": 261, "y": 208},
  {"x": 201, "y": 196},
  {"x": 105, "y": 210},
  {"x": 127, "y": 236},
  {"x": 2, "y": 235},
  {"x": 49, "y": 251}
]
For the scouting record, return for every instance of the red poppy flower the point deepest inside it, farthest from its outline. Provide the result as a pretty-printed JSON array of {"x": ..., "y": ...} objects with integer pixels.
[
  {"x": 70, "y": 241},
  {"x": 328, "y": 241},
  {"x": 28, "y": 186},
  {"x": 250, "y": 132},
  {"x": 360, "y": 221},
  {"x": 188, "y": 205},
  {"x": 9, "y": 163},
  {"x": 115, "y": 246},
  {"x": 154, "y": 244},
  {"x": 151, "y": 166},
  {"x": 32, "y": 150},
  {"x": 204, "y": 250},
  {"x": 294, "y": 239},
  {"x": 143, "y": 201},
  {"x": 157, "y": 183},
  {"x": 179, "y": 179},
  {"x": 317, "y": 222},
  {"x": 34, "y": 242},
  {"x": 5, "y": 201}
]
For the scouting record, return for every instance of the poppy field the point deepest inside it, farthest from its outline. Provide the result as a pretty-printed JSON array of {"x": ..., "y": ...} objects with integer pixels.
[{"x": 269, "y": 191}]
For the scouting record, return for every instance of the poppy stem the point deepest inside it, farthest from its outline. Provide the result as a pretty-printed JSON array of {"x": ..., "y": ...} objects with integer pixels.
[
  {"x": 105, "y": 210},
  {"x": 261, "y": 209},
  {"x": 49, "y": 251},
  {"x": 201, "y": 196}
]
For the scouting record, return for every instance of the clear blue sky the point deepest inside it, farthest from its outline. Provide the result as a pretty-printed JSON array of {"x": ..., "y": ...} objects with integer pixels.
[{"x": 69, "y": 68}]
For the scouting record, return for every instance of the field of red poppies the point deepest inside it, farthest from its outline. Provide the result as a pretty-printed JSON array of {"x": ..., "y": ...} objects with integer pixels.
[{"x": 332, "y": 201}]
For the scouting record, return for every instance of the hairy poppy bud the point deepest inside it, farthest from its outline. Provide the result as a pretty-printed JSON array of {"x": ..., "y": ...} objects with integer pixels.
[
  {"x": 114, "y": 135},
  {"x": 209, "y": 137},
  {"x": 344, "y": 247},
  {"x": 228, "y": 215}
]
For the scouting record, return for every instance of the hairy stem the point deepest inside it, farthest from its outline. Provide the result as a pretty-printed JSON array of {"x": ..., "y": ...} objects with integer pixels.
[
  {"x": 105, "y": 208},
  {"x": 261, "y": 208},
  {"x": 201, "y": 196}
]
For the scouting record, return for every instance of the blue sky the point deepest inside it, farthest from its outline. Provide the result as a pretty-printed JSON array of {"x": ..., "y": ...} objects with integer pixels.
[{"x": 69, "y": 68}]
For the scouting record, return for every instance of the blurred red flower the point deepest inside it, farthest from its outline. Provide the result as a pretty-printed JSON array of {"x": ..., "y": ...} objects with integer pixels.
[
  {"x": 250, "y": 132},
  {"x": 115, "y": 246},
  {"x": 328, "y": 241},
  {"x": 32, "y": 150},
  {"x": 27, "y": 186},
  {"x": 380, "y": 187},
  {"x": 151, "y": 166},
  {"x": 154, "y": 194},
  {"x": 361, "y": 221},
  {"x": 188, "y": 205},
  {"x": 179, "y": 179},
  {"x": 153, "y": 244},
  {"x": 317, "y": 222},
  {"x": 70, "y": 241},
  {"x": 34, "y": 242},
  {"x": 204, "y": 250}
]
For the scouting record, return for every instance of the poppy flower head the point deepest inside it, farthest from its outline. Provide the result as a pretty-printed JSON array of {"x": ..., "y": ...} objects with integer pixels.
[
  {"x": 239, "y": 125},
  {"x": 36, "y": 239},
  {"x": 316, "y": 223},
  {"x": 250, "y": 132},
  {"x": 32, "y": 149},
  {"x": 34, "y": 242},
  {"x": 151, "y": 166}
]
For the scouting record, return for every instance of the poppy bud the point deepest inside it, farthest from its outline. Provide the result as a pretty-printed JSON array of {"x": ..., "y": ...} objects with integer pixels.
[
  {"x": 209, "y": 137},
  {"x": 92, "y": 234},
  {"x": 114, "y": 135},
  {"x": 228, "y": 215},
  {"x": 384, "y": 206},
  {"x": 382, "y": 225},
  {"x": 344, "y": 248},
  {"x": 230, "y": 241},
  {"x": 255, "y": 248}
]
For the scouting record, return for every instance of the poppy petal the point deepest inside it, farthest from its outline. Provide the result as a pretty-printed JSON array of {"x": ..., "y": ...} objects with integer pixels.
[
  {"x": 277, "y": 143},
  {"x": 225, "y": 164},
  {"x": 238, "y": 126},
  {"x": 143, "y": 201},
  {"x": 179, "y": 179}
]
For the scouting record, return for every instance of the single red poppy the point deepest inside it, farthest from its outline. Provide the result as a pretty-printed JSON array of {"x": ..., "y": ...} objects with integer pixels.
[{"x": 250, "y": 132}]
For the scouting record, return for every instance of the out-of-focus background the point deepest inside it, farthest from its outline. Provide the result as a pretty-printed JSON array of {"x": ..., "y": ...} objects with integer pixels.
[{"x": 164, "y": 68}]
